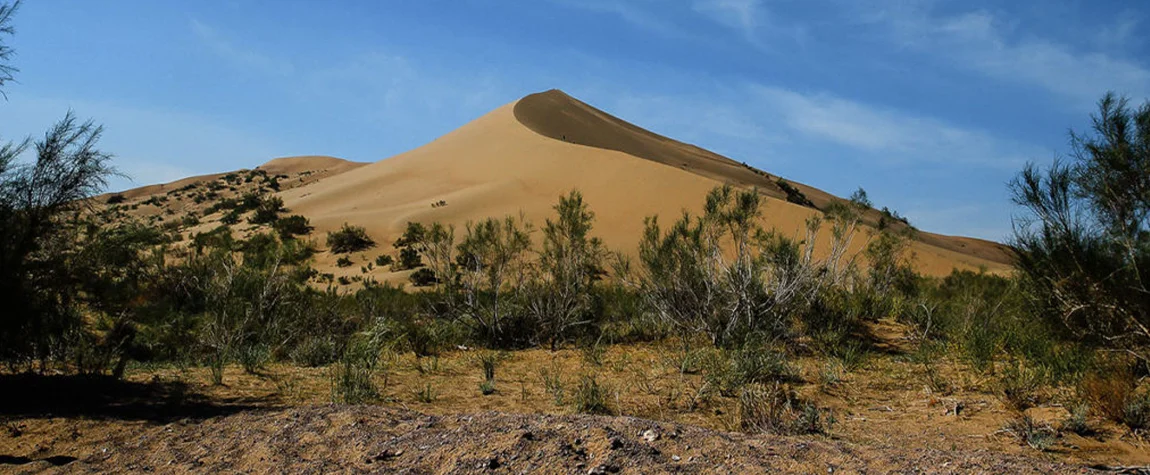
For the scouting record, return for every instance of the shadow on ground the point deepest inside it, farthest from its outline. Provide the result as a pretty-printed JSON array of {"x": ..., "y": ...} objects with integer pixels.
[{"x": 103, "y": 397}]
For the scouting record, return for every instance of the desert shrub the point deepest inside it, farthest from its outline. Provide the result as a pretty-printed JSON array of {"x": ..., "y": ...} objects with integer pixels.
[
  {"x": 314, "y": 352},
  {"x": 423, "y": 277},
  {"x": 561, "y": 295},
  {"x": 343, "y": 261},
  {"x": 351, "y": 379},
  {"x": 426, "y": 394},
  {"x": 253, "y": 356},
  {"x": 729, "y": 371},
  {"x": 290, "y": 226},
  {"x": 591, "y": 396},
  {"x": 793, "y": 194},
  {"x": 383, "y": 260},
  {"x": 409, "y": 258},
  {"x": 482, "y": 279},
  {"x": 775, "y": 409},
  {"x": 1113, "y": 393},
  {"x": 230, "y": 218},
  {"x": 488, "y": 362},
  {"x": 1078, "y": 421},
  {"x": 553, "y": 384},
  {"x": 1038, "y": 436},
  {"x": 1017, "y": 387},
  {"x": 349, "y": 239},
  {"x": 407, "y": 245},
  {"x": 1083, "y": 245},
  {"x": 115, "y": 199},
  {"x": 267, "y": 211}
]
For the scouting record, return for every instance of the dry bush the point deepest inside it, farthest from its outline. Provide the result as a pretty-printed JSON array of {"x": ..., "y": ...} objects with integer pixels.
[
  {"x": 775, "y": 409},
  {"x": 1108, "y": 393}
]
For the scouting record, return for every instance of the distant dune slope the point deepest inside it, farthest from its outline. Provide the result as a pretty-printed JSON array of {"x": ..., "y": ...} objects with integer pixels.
[
  {"x": 559, "y": 116},
  {"x": 518, "y": 159},
  {"x": 502, "y": 164}
]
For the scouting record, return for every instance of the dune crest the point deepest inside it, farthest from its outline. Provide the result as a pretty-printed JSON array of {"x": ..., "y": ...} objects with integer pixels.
[{"x": 519, "y": 158}]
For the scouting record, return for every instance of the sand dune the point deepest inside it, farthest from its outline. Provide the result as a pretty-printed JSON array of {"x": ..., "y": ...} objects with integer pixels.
[{"x": 519, "y": 158}]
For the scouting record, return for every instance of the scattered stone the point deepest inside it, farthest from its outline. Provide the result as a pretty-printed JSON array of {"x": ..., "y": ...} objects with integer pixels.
[
  {"x": 676, "y": 458},
  {"x": 603, "y": 469},
  {"x": 650, "y": 435},
  {"x": 388, "y": 454}
]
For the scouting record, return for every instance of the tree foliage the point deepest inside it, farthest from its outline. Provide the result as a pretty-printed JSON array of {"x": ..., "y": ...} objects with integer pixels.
[{"x": 1083, "y": 242}]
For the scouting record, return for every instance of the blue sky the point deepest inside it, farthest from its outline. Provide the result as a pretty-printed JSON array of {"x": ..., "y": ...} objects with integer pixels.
[{"x": 930, "y": 105}]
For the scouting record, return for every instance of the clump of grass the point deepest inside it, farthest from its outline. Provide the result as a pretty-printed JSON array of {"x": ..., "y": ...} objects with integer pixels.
[
  {"x": 427, "y": 365},
  {"x": 1037, "y": 436},
  {"x": 591, "y": 396},
  {"x": 488, "y": 361},
  {"x": 351, "y": 379},
  {"x": 1017, "y": 387},
  {"x": 1078, "y": 421},
  {"x": 553, "y": 384},
  {"x": 487, "y": 387},
  {"x": 593, "y": 354},
  {"x": 426, "y": 394},
  {"x": 775, "y": 409},
  {"x": 729, "y": 371},
  {"x": 831, "y": 374}
]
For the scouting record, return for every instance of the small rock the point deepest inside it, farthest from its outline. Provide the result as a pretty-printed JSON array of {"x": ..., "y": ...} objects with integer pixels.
[
  {"x": 603, "y": 469},
  {"x": 676, "y": 458},
  {"x": 650, "y": 435}
]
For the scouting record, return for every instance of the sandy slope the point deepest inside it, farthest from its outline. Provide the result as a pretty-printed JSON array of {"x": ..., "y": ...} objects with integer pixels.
[{"x": 497, "y": 165}]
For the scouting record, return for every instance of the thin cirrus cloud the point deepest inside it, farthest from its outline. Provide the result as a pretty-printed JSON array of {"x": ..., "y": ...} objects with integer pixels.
[
  {"x": 980, "y": 41},
  {"x": 895, "y": 136}
]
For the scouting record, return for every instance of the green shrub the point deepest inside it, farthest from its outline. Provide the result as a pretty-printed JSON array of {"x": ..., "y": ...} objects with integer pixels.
[
  {"x": 591, "y": 396},
  {"x": 383, "y": 260},
  {"x": 115, "y": 199},
  {"x": 343, "y": 261},
  {"x": 1037, "y": 436},
  {"x": 351, "y": 379},
  {"x": 423, "y": 277},
  {"x": 349, "y": 239},
  {"x": 294, "y": 225},
  {"x": 775, "y": 409}
]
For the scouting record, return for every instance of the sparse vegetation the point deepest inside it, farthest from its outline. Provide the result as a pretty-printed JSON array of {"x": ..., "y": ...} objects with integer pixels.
[{"x": 349, "y": 239}]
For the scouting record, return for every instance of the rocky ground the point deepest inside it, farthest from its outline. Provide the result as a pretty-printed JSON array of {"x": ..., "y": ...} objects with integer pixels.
[{"x": 362, "y": 439}]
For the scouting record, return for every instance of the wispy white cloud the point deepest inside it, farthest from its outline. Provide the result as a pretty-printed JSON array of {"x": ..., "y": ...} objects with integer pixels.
[
  {"x": 982, "y": 42},
  {"x": 894, "y": 135},
  {"x": 640, "y": 13},
  {"x": 238, "y": 56},
  {"x": 742, "y": 15}
]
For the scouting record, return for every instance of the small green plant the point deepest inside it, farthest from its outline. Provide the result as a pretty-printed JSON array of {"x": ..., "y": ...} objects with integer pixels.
[
  {"x": 343, "y": 261},
  {"x": 1017, "y": 386},
  {"x": 831, "y": 374},
  {"x": 1037, "y": 436},
  {"x": 428, "y": 365},
  {"x": 487, "y": 387},
  {"x": 591, "y": 396},
  {"x": 253, "y": 357},
  {"x": 593, "y": 354},
  {"x": 426, "y": 394},
  {"x": 383, "y": 260},
  {"x": 351, "y": 379},
  {"x": 1078, "y": 420},
  {"x": 553, "y": 384}
]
